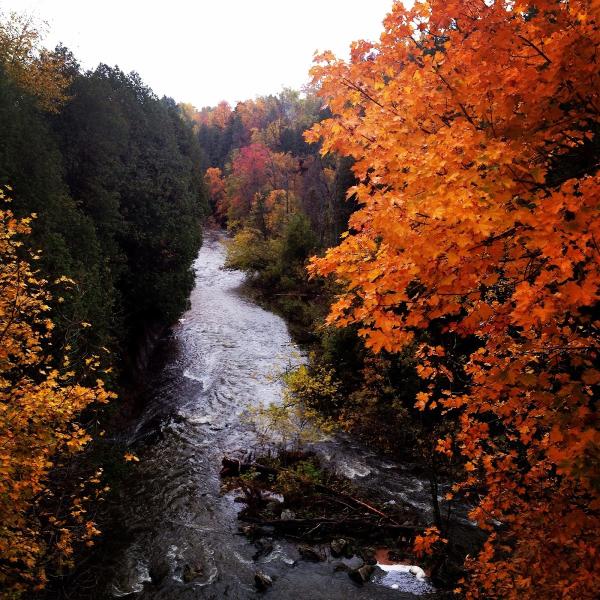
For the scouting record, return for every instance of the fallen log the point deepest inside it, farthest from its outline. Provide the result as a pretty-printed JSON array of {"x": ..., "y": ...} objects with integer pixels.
[
  {"x": 356, "y": 501},
  {"x": 233, "y": 467},
  {"x": 353, "y": 526}
]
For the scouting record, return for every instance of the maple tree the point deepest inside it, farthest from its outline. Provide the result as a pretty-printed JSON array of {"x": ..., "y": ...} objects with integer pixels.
[
  {"x": 248, "y": 177},
  {"x": 39, "y": 405},
  {"x": 222, "y": 114},
  {"x": 474, "y": 129}
]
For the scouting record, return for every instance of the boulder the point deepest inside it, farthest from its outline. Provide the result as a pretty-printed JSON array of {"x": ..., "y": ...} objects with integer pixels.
[
  {"x": 362, "y": 574},
  {"x": 338, "y": 546},
  {"x": 310, "y": 553},
  {"x": 262, "y": 581},
  {"x": 368, "y": 555}
]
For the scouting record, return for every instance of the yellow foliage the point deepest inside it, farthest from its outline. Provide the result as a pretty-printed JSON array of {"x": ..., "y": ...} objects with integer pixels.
[
  {"x": 37, "y": 70},
  {"x": 298, "y": 419},
  {"x": 314, "y": 388},
  {"x": 39, "y": 404}
]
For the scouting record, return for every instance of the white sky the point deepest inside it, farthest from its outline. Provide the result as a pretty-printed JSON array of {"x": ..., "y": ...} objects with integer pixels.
[{"x": 206, "y": 51}]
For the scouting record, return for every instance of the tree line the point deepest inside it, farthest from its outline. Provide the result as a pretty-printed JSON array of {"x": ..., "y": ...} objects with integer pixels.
[{"x": 102, "y": 203}]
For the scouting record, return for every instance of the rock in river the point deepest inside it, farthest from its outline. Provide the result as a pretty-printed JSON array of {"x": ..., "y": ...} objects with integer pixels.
[
  {"x": 362, "y": 574},
  {"x": 338, "y": 546},
  {"x": 262, "y": 581},
  {"x": 310, "y": 553}
]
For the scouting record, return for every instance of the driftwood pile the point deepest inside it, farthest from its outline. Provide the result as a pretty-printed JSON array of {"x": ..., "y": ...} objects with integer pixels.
[{"x": 347, "y": 514}]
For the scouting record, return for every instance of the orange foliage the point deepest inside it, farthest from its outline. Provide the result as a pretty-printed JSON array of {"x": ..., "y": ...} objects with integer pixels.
[
  {"x": 259, "y": 180},
  {"x": 253, "y": 114},
  {"x": 215, "y": 184},
  {"x": 278, "y": 206},
  {"x": 474, "y": 129},
  {"x": 39, "y": 404},
  {"x": 218, "y": 116}
]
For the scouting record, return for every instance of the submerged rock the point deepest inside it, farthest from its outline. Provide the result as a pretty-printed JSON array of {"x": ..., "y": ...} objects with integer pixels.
[
  {"x": 263, "y": 548},
  {"x": 190, "y": 573},
  {"x": 262, "y": 581},
  {"x": 287, "y": 514},
  {"x": 158, "y": 572}
]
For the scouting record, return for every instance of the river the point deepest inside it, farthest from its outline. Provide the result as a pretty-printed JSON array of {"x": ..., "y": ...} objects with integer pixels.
[{"x": 177, "y": 535}]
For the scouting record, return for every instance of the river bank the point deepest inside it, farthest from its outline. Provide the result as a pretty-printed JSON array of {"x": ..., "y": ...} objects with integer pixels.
[{"x": 175, "y": 532}]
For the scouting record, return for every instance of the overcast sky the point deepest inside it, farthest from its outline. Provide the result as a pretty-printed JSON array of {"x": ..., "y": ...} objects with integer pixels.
[{"x": 205, "y": 51}]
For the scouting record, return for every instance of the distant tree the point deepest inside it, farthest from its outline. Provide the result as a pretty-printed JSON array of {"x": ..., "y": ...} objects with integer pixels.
[{"x": 36, "y": 70}]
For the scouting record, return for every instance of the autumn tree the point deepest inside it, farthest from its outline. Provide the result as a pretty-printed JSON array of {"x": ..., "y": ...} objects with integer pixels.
[
  {"x": 474, "y": 130},
  {"x": 215, "y": 186},
  {"x": 248, "y": 177},
  {"x": 37, "y": 70},
  {"x": 40, "y": 400}
]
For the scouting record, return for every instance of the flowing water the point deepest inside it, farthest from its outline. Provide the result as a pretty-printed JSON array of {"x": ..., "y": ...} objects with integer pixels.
[{"x": 178, "y": 534}]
